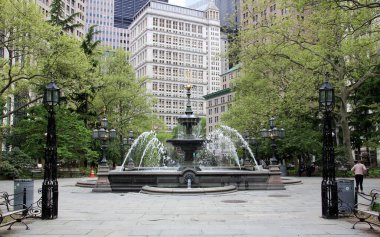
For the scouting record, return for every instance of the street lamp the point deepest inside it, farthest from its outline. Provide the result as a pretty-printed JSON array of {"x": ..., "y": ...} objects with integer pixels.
[
  {"x": 273, "y": 133},
  {"x": 250, "y": 141},
  {"x": 104, "y": 136},
  {"x": 329, "y": 191},
  {"x": 130, "y": 141},
  {"x": 50, "y": 183}
]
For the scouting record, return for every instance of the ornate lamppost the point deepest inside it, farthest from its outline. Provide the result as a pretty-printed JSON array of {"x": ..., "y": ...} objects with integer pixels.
[
  {"x": 273, "y": 133},
  {"x": 329, "y": 191},
  {"x": 250, "y": 141},
  {"x": 104, "y": 136},
  {"x": 50, "y": 183},
  {"x": 130, "y": 140}
]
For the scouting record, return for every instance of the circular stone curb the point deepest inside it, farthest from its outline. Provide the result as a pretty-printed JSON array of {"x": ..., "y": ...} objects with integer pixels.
[
  {"x": 189, "y": 191},
  {"x": 87, "y": 182},
  {"x": 288, "y": 180}
]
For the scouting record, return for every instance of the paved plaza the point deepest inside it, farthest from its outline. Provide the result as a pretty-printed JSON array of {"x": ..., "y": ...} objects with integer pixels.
[{"x": 295, "y": 211}]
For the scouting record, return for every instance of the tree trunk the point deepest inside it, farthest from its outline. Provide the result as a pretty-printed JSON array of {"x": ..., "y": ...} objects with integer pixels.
[{"x": 346, "y": 134}]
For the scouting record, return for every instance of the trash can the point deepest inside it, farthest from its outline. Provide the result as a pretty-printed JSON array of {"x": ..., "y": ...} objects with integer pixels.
[
  {"x": 19, "y": 186},
  {"x": 346, "y": 196}
]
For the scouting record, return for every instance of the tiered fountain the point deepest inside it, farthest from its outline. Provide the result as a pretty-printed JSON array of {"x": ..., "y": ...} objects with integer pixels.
[{"x": 189, "y": 175}]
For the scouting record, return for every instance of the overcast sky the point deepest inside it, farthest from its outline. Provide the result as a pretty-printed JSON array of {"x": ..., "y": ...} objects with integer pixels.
[{"x": 177, "y": 2}]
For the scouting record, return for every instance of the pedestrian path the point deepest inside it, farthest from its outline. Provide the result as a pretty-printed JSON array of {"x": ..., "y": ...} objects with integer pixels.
[{"x": 295, "y": 211}]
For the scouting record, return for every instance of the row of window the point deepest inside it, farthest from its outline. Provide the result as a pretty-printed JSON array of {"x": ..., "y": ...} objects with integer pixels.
[
  {"x": 177, "y": 58},
  {"x": 177, "y": 25},
  {"x": 176, "y": 88},
  {"x": 178, "y": 73}
]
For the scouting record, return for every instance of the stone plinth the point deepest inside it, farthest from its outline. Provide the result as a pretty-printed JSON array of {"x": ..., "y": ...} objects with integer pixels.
[{"x": 103, "y": 183}]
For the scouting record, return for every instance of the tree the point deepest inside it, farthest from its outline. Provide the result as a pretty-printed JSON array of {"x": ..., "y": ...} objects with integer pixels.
[
  {"x": 286, "y": 58},
  {"x": 88, "y": 85},
  {"x": 23, "y": 35},
  {"x": 123, "y": 96},
  {"x": 57, "y": 16},
  {"x": 74, "y": 140}
]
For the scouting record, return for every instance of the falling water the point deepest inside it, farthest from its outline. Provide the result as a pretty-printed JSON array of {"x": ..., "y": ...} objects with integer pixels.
[
  {"x": 227, "y": 136},
  {"x": 245, "y": 144},
  {"x": 153, "y": 144},
  {"x": 150, "y": 143},
  {"x": 220, "y": 142}
]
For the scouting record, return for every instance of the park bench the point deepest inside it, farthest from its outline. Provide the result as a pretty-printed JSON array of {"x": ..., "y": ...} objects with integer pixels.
[
  {"x": 364, "y": 208},
  {"x": 9, "y": 216}
]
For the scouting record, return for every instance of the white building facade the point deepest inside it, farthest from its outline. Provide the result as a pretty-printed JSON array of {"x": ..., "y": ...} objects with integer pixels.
[
  {"x": 174, "y": 46},
  {"x": 101, "y": 13},
  {"x": 70, "y": 7}
]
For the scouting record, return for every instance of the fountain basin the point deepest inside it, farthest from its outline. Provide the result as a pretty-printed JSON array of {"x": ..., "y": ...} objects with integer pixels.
[
  {"x": 191, "y": 191},
  {"x": 135, "y": 180}
]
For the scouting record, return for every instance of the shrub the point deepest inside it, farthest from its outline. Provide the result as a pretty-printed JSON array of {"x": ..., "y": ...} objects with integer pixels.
[{"x": 8, "y": 170}]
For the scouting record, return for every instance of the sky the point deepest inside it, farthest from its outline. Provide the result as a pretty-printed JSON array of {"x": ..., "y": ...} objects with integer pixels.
[{"x": 177, "y": 2}]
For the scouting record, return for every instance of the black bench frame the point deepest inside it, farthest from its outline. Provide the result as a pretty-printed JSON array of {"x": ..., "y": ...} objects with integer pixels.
[
  {"x": 17, "y": 216},
  {"x": 363, "y": 211}
]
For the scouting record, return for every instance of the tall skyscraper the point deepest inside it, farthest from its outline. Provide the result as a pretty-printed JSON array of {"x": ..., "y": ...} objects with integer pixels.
[
  {"x": 229, "y": 10},
  {"x": 101, "y": 13},
  {"x": 175, "y": 46},
  {"x": 126, "y": 9}
]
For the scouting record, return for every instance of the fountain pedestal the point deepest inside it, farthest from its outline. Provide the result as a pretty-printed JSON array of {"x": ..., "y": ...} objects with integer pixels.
[{"x": 103, "y": 183}]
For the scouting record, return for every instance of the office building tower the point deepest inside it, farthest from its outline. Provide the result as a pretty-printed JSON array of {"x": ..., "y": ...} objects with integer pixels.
[
  {"x": 101, "y": 13},
  {"x": 70, "y": 7},
  {"x": 229, "y": 11},
  {"x": 175, "y": 46},
  {"x": 125, "y": 10}
]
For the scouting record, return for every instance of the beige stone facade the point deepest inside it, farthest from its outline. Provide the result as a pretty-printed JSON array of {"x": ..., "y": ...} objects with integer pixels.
[{"x": 219, "y": 102}]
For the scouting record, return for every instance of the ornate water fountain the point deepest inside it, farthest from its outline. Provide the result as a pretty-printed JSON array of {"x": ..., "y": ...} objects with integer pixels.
[
  {"x": 188, "y": 174},
  {"x": 188, "y": 143}
]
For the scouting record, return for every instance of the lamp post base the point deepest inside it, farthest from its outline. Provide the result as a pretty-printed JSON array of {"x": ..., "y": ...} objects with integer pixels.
[{"x": 103, "y": 183}]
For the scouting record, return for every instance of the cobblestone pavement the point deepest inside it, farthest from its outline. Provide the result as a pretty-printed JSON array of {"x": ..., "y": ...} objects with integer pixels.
[{"x": 295, "y": 211}]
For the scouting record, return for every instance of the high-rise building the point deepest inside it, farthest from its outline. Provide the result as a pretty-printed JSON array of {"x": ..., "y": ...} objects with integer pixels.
[
  {"x": 175, "y": 46},
  {"x": 229, "y": 10},
  {"x": 125, "y": 10},
  {"x": 101, "y": 14},
  {"x": 70, "y": 7}
]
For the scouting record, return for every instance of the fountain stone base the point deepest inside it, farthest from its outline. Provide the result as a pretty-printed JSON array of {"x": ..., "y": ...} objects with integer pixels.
[{"x": 134, "y": 180}]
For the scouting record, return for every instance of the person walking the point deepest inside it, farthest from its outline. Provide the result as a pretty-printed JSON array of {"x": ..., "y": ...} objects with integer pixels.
[{"x": 359, "y": 170}]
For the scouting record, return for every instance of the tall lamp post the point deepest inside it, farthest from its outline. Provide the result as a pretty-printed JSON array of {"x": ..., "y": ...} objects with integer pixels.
[
  {"x": 130, "y": 141},
  {"x": 50, "y": 183},
  {"x": 250, "y": 141},
  {"x": 273, "y": 133},
  {"x": 104, "y": 136},
  {"x": 329, "y": 190}
]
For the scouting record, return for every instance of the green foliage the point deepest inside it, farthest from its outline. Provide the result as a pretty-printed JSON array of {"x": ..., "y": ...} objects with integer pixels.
[
  {"x": 57, "y": 16},
  {"x": 73, "y": 139},
  {"x": 20, "y": 160},
  {"x": 123, "y": 96},
  {"x": 373, "y": 172},
  {"x": 286, "y": 58},
  {"x": 8, "y": 170},
  {"x": 24, "y": 35}
]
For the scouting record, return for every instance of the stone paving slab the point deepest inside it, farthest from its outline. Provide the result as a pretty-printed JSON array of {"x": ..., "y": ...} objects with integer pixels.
[{"x": 295, "y": 211}]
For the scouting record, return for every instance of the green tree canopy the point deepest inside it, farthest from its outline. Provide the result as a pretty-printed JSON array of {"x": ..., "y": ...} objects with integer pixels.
[{"x": 286, "y": 58}]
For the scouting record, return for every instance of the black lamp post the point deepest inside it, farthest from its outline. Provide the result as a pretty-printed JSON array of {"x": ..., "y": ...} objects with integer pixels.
[
  {"x": 50, "y": 183},
  {"x": 104, "y": 136},
  {"x": 251, "y": 141},
  {"x": 328, "y": 186},
  {"x": 130, "y": 141},
  {"x": 273, "y": 133}
]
